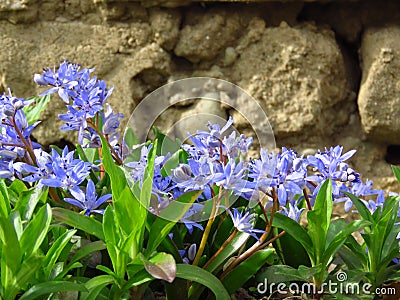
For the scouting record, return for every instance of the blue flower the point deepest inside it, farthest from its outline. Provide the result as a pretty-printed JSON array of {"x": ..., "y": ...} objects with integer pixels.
[
  {"x": 283, "y": 172},
  {"x": 230, "y": 177},
  {"x": 43, "y": 169},
  {"x": 111, "y": 122},
  {"x": 232, "y": 147},
  {"x": 88, "y": 97},
  {"x": 62, "y": 81},
  {"x": 292, "y": 212},
  {"x": 6, "y": 168},
  {"x": 196, "y": 175},
  {"x": 244, "y": 223},
  {"x": 89, "y": 202},
  {"x": 10, "y": 104}
]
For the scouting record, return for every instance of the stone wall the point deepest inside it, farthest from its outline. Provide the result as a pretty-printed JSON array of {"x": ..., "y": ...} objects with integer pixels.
[{"x": 326, "y": 72}]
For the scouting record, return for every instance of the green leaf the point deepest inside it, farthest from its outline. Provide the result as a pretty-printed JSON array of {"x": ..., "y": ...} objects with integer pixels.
[
  {"x": 194, "y": 273},
  {"x": 112, "y": 237},
  {"x": 237, "y": 242},
  {"x": 26, "y": 273},
  {"x": 296, "y": 231},
  {"x": 279, "y": 273},
  {"x": 353, "y": 254},
  {"x": 165, "y": 144},
  {"x": 117, "y": 175},
  {"x": 88, "y": 155},
  {"x": 36, "y": 231},
  {"x": 11, "y": 254},
  {"x": 130, "y": 137},
  {"x": 145, "y": 195},
  {"x": 49, "y": 287},
  {"x": 55, "y": 250},
  {"x": 33, "y": 111},
  {"x": 284, "y": 247},
  {"x": 15, "y": 190},
  {"x": 82, "y": 222},
  {"x": 319, "y": 220},
  {"x": 161, "y": 266},
  {"x": 173, "y": 162},
  {"x": 87, "y": 250},
  {"x": 95, "y": 285},
  {"x": 361, "y": 208},
  {"x": 125, "y": 215},
  {"x": 340, "y": 238},
  {"x": 28, "y": 201},
  {"x": 246, "y": 270},
  {"x": 4, "y": 200},
  {"x": 396, "y": 171},
  {"x": 168, "y": 218}
]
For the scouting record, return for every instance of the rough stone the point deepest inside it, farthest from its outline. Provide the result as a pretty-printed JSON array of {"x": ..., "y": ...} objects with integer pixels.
[
  {"x": 378, "y": 99},
  {"x": 165, "y": 25},
  {"x": 296, "y": 73},
  {"x": 95, "y": 46},
  {"x": 206, "y": 38}
]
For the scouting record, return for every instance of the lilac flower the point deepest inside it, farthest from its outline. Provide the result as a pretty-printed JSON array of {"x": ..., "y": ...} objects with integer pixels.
[
  {"x": 364, "y": 191},
  {"x": 89, "y": 202},
  {"x": 63, "y": 171},
  {"x": 88, "y": 96},
  {"x": 6, "y": 168},
  {"x": 10, "y": 104},
  {"x": 231, "y": 178},
  {"x": 43, "y": 169},
  {"x": 330, "y": 164},
  {"x": 213, "y": 137},
  {"x": 62, "y": 81},
  {"x": 233, "y": 147},
  {"x": 196, "y": 175},
  {"x": 191, "y": 214},
  {"x": 292, "y": 212},
  {"x": 284, "y": 172},
  {"x": 14, "y": 132},
  {"x": 244, "y": 223},
  {"x": 69, "y": 178}
]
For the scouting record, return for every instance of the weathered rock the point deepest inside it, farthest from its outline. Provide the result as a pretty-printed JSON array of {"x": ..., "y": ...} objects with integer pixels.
[
  {"x": 378, "y": 99},
  {"x": 165, "y": 25},
  {"x": 206, "y": 38},
  {"x": 95, "y": 46},
  {"x": 297, "y": 74}
]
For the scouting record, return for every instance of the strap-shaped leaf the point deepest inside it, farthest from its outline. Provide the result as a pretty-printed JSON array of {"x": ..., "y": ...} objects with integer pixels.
[
  {"x": 36, "y": 231},
  {"x": 296, "y": 231},
  {"x": 82, "y": 222},
  {"x": 194, "y": 273},
  {"x": 246, "y": 270},
  {"x": 340, "y": 238},
  {"x": 319, "y": 219},
  {"x": 46, "y": 288}
]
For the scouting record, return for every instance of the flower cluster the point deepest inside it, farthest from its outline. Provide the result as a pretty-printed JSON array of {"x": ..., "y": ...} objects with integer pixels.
[
  {"x": 88, "y": 113},
  {"x": 218, "y": 159},
  {"x": 15, "y": 134},
  {"x": 86, "y": 97}
]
